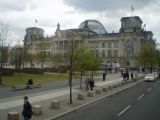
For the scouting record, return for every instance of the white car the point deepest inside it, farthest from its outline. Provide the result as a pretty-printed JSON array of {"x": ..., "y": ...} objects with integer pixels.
[{"x": 150, "y": 77}]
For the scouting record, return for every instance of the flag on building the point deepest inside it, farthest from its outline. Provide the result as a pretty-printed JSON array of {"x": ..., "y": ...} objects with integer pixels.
[
  {"x": 132, "y": 8},
  {"x": 36, "y": 21}
]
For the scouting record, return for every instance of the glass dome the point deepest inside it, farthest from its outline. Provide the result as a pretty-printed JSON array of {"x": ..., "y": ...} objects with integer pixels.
[{"x": 93, "y": 25}]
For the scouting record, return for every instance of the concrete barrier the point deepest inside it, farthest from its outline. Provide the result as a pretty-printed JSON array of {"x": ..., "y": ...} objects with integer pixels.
[
  {"x": 115, "y": 86},
  {"x": 80, "y": 96},
  {"x": 98, "y": 91},
  {"x": 37, "y": 109},
  {"x": 105, "y": 89},
  {"x": 90, "y": 94},
  {"x": 13, "y": 115},
  {"x": 124, "y": 82},
  {"x": 55, "y": 104},
  {"x": 118, "y": 84},
  {"x": 110, "y": 87}
]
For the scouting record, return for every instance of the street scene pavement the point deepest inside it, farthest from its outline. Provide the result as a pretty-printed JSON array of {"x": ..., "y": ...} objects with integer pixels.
[{"x": 44, "y": 98}]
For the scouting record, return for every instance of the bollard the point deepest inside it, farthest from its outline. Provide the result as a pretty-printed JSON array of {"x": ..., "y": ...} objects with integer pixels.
[
  {"x": 37, "y": 109},
  {"x": 110, "y": 87},
  {"x": 98, "y": 91},
  {"x": 13, "y": 115},
  {"x": 115, "y": 86},
  {"x": 118, "y": 85},
  {"x": 55, "y": 104},
  {"x": 90, "y": 94},
  {"x": 105, "y": 89},
  {"x": 80, "y": 96},
  {"x": 123, "y": 83}
]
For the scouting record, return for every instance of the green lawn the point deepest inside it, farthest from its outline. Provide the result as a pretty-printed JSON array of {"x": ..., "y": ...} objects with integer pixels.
[{"x": 20, "y": 79}]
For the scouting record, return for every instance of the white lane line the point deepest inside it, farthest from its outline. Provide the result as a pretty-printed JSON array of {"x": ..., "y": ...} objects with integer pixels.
[
  {"x": 140, "y": 97},
  {"x": 123, "y": 111},
  {"x": 149, "y": 89},
  {"x": 155, "y": 85}
]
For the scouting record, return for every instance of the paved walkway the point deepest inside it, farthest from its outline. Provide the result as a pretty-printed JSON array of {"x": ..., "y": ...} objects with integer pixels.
[{"x": 52, "y": 94}]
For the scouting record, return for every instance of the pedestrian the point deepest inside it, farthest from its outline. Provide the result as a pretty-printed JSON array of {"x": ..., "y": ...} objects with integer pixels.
[
  {"x": 91, "y": 83},
  {"x": 131, "y": 75},
  {"x": 104, "y": 76},
  {"x": 124, "y": 75},
  {"x": 127, "y": 75},
  {"x": 29, "y": 82},
  {"x": 87, "y": 83},
  {"x": 27, "y": 109}
]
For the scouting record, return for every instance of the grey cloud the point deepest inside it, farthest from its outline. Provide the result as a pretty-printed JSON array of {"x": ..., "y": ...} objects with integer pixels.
[
  {"x": 13, "y": 5},
  {"x": 103, "y": 5}
]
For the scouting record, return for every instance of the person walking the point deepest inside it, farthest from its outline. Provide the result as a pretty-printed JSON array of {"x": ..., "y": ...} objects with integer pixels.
[
  {"x": 131, "y": 75},
  {"x": 91, "y": 83},
  {"x": 127, "y": 75},
  {"x": 104, "y": 76},
  {"x": 27, "y": 109}
]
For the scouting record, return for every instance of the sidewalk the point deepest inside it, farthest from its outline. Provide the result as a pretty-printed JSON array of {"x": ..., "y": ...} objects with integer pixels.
[{"x": 45, "y": 99}]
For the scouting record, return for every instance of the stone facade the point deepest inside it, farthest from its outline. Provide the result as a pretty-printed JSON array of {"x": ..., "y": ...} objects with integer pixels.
[{"x": 114, "y": 48}]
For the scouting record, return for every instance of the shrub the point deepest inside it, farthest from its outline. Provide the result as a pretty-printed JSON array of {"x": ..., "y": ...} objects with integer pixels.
[
  {"x": 6, "y": 71},
  {"x": 33, "y": 70}
]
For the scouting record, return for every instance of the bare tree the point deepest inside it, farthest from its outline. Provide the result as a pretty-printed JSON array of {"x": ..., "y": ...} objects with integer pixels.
[{"x": 3, "y": 42}]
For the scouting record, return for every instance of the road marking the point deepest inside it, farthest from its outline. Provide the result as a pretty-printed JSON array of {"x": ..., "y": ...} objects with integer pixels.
[
  {"x": 140, "y": 97},
  {"x": 155, "y": 85},
  {"x": 123, "y": 111},
  {"x": 149, "y": 89}
]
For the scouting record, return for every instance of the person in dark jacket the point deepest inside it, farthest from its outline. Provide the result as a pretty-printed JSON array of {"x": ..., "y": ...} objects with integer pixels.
[
  {"x": 91, "y": 83},
  {"x": 27, "y": 109},
  {"x": 132, "y": 76},
  {"x": 29, "y": 82},
  {"x": 104, "y": 76}
]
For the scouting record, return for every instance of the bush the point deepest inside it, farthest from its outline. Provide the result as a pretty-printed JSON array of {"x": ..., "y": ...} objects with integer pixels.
[
  {"x": 56, "y": 70},
  {"x": 33, "y": 70},
  {"x": 7, "y": 71}
]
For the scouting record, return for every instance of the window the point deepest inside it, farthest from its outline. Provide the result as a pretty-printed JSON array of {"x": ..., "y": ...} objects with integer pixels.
[
  {"x": 129, "y": 43},
  {"x": 116, "y": 44},
  {"x": 116, "y": 53},
  {"x": 109, "y": 53},
  {"x": 103, "y": 44},
  {"x": 129, "y": 53},
  {"x": 109, "y": 44},
  {"x": 97, "y": 52},
  {"x": 103, "y": 53}
]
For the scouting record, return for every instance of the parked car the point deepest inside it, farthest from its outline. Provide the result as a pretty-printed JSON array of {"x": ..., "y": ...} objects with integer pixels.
[{"x": 150, "y": 77}]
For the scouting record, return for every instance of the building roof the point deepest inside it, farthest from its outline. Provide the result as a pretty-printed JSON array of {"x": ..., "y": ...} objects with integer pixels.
[{"x": 93, "y": 25}]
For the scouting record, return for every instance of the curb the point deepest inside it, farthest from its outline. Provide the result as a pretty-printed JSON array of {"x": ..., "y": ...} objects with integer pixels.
[{"x": 94, "y": 101}]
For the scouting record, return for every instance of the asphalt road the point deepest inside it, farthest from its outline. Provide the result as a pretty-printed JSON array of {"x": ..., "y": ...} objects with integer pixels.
[{"x": 140, "y": 102}]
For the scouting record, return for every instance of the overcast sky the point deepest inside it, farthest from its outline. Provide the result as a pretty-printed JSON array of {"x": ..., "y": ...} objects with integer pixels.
[{"x": 20, "y": 14}]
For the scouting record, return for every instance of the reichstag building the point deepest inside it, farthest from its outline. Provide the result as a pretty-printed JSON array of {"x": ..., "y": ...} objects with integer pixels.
[{"x": 115, "y": 49}]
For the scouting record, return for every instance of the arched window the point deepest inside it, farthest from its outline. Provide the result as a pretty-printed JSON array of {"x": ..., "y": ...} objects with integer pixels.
[{"x": 129, "y": 44}]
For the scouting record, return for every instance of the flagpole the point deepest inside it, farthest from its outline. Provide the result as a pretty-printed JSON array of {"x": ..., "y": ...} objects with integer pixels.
[
  {"x": 36, "y": 21},
  {"x": 132, "y": 10}
]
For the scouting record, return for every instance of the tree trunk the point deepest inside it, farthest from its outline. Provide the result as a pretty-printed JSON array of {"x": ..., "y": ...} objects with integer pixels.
[
  {"x": 1, "y": 82},
  {"x": 81, "y": 80}
]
